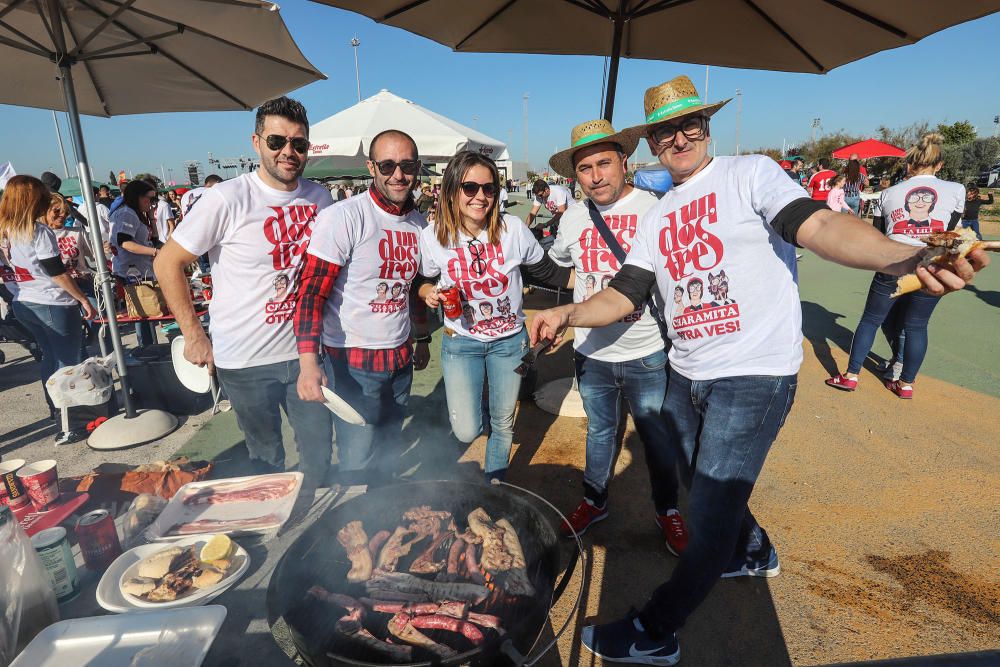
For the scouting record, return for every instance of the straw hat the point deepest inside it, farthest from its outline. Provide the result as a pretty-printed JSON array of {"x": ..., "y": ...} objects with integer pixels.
[
  {"x": 673, "y": 99},
  {"x": 591, "y": 132}
]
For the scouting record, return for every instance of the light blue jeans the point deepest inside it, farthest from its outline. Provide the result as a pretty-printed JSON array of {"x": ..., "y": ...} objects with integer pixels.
[
  {"x": 468, "y": 364},
  {"x": 58, "y": 331}
]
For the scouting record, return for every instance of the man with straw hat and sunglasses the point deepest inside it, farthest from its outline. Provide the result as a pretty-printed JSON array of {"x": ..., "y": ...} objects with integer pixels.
[
  {"x": 724, "y": 238},
  {"x": 624, "y": 360}
]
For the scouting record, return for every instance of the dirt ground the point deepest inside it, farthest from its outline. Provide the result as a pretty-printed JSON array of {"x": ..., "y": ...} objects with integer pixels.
[{"x": 884, "y": 513}]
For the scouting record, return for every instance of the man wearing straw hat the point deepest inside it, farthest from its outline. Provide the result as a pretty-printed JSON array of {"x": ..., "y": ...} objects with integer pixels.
[
  {"x": 626, "y": 359},
  {"x": 726, "y": 234}
]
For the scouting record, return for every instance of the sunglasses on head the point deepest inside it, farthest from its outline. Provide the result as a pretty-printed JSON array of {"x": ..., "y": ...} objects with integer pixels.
[
  {"x": 276, "y": 142},
  {"x": 471, "y": 188},
  {"x": 388, "y": 167}
]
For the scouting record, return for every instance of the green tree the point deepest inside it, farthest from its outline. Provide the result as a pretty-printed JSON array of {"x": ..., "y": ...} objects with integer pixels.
[{"x": 957, "y": 134}]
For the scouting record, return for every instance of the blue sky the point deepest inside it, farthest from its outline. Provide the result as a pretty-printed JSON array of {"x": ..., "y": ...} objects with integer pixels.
[{"x": 947, "y": 77}]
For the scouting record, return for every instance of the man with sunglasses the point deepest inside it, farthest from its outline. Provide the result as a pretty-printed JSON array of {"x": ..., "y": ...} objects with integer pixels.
[
  {"x": 361, "y": 245},
  {"x": 555, "y": 198},
  {"x": 624, "y": 363},
  {"x": 255, "y": 229},
  {"x": 734, "y": 365}
]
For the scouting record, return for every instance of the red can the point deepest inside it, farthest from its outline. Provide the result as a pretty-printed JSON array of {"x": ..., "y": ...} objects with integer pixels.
[
  {"x": 98, "y": 538},
  {"x": 452, "y": 301}
]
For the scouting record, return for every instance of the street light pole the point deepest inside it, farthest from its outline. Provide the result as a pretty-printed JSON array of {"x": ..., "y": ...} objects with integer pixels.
[
  {"x": 524, "y": 148},
  {"x": 355, "y": 43},
  {"x": 815, "y": 125},
  {"x": 62, "y": 151},
  {"x": 739, "y": 112}
]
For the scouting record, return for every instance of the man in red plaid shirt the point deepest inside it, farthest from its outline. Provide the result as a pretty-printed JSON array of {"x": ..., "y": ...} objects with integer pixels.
[{"x": 354, "y": 303}]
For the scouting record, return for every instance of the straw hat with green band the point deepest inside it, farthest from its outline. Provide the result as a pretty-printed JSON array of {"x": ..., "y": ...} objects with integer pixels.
[
  {"x": 586, "y": 134},
  {"x": 673, "y": 99}
]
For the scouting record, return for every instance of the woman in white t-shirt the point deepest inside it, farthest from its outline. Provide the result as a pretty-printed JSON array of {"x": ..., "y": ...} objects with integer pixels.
[
  {"x": 918, "y": 206},
  {"x": 46, "y": 300},
  {"x": 476, "y": 249},
  {"x": 131, "y": 236}
]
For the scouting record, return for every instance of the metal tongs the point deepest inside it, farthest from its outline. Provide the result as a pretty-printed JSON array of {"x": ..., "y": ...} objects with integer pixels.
[{"x": 528, "y": 360}]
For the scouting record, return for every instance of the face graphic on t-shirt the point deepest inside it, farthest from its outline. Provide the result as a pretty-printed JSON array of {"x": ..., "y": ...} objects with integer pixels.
[
  {"x": 695, "y": 289},
  {"x": 469, "y": 313},
  {"x": 590, "y": 282},
  {"x": 920, "y": 203},
  {"x": 486, "y": 309},
  {"x": 380, "y": 291},
  {"x": 397, "y": 289}
]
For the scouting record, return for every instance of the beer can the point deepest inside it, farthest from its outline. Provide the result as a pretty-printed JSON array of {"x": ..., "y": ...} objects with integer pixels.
[
  {"x": 98, "y": 540},
  {"x": 52, "y": 547}
]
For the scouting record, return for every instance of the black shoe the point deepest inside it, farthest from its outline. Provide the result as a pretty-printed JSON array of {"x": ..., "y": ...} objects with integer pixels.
[
  {"x": 69, "y": 437},
  {"x": 626, "y": 640},
  {"x": 763, "y": 564}
]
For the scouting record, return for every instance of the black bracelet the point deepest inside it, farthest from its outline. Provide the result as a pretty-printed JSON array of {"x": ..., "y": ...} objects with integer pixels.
[{"x": 422, "y": 339}]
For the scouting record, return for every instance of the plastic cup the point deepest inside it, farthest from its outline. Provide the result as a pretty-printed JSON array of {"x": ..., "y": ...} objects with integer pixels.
[
  {"x": 452, "y": 301},
  {"x": 41, "y": 481},
  {"x": 11, "y": 487}
]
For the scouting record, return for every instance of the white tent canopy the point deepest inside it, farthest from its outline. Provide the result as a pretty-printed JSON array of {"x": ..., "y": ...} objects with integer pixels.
[{"x": 341, "y": 141}]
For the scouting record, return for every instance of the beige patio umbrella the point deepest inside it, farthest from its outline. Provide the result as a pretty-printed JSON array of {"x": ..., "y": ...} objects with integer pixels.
[
  {"x": 785, "y": 35},
  {"x": 114, "y": 57}
]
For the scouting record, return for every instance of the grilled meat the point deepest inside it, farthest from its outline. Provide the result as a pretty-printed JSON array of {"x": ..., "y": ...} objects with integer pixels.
[
  {"x": 425, "y": 563},
  {"x": 355, "y": 541},
  {"x": 396, "y": 547},
  {"x": 376, "y": 542},
  {"x": 495, "y": 556},
  {"x": 449, "y": 623},
  {"x": 401, "y": 627}
]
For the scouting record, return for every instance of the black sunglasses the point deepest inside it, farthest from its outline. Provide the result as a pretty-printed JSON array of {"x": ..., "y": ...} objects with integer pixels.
[
  {"x": 478, "y": 264},
  {"x": 693, "y": 128},
  {"x": 388, "y": 167},
  {"x": 471, "y": 188},
  {"x": 276, "y": 142}
]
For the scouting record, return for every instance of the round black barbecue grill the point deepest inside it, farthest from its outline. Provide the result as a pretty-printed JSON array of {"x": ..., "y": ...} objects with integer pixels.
[{"x": 317, "y": 559}]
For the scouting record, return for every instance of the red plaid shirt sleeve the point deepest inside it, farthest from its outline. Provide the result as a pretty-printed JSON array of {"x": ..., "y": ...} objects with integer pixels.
[{"x": 315, "y": 285}]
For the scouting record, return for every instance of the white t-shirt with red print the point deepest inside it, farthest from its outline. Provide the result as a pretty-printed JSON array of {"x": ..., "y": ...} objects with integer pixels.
[
  {"x": 920, "y": 205},
  {"x": 580, "y": 245},
  {"x": 74, "y": 248},
  {"x": 256, "y": 238},
  {"x": 559, "y": 195},
  {"x": 725, "y": 280},
  {"x": 379, "y": 254},
  {"x": 487, "y": 275},
  {"x": 22, "y": 273}
]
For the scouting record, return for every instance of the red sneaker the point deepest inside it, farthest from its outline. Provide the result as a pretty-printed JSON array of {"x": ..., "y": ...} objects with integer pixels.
[
  {"x": 899, "y": 388},
  {"x": 581, "y": 518},
  {"x": 842, "y": 382},
  {"x": 674, "y": 531}
]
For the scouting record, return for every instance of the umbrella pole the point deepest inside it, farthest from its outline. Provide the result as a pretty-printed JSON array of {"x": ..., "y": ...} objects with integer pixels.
[
  {"x": 133, "y": 427},
  {"x": 616, "y": 54},
  {"x": 94, "y": 229}
]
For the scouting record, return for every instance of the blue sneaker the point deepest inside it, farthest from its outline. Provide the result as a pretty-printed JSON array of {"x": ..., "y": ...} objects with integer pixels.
[
  {"x": 754, "y": 566},
  {"x": 626, "y": 641}
]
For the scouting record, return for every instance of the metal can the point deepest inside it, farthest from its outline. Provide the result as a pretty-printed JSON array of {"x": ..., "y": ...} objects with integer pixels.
[
  {"x": 98, "y": 540},
  {"x": 53, "y": 550}
]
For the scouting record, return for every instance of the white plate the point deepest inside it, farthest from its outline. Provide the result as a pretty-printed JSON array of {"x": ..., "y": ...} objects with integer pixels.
[
  {"x": 240, "y": 563},
  {"x": 342, "y": 408},
  {"x": 114, "y": 641},
  {"x": 176, "y": 512},
  {"x": 195, "y": 378}
]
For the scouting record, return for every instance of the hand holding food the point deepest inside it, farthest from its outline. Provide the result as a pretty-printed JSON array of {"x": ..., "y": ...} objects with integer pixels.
[{"x": 943, "y": 249}]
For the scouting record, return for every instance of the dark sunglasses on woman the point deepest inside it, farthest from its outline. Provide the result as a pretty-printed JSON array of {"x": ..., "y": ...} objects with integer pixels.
[
  {"x": 471, "y": 188},
  {"x": 276, "y": 142}
]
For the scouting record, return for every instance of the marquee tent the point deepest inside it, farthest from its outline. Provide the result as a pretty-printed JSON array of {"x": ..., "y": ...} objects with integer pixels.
[{"x": 341, "y": 141}]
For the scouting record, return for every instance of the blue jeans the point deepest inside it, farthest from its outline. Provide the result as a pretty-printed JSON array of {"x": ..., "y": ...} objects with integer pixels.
[
  {"x": 468, "y": 364},
  {"x": 974, "y": 226},
  {"x": 725, "y": 428},
  {"x": 643, "y": 383},
  {"x": 381, "y": 398},
  {"x": 854, "y": 203},
  {"x": 58, "y": 330},
  {"x": 913, "y": 312},
  {"x": 258, "y": 394}
]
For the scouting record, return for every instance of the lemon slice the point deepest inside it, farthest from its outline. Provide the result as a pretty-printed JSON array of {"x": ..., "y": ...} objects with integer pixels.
[{"x": 217, "y": 548}]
